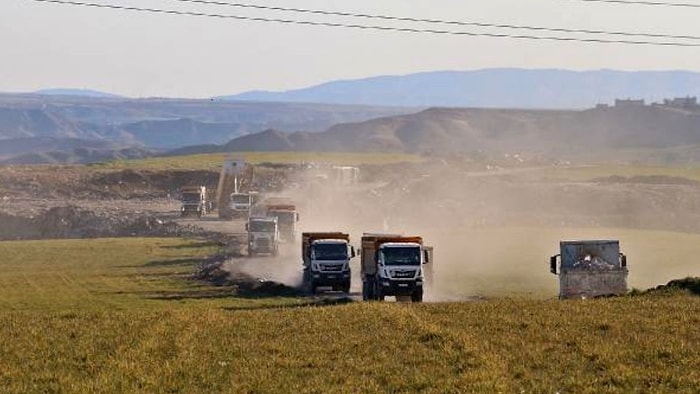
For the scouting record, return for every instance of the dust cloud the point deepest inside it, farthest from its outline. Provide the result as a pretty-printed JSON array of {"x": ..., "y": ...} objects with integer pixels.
[{"x": 494, "y": 227}]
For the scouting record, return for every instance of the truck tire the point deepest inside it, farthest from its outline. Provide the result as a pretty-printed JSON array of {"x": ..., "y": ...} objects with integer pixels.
[
  {"x": 417, "y": 296},
  {"x": 345, "y": 288},
  {"x": 379, "y": 294},
  {"x": 368, "y": 288}
]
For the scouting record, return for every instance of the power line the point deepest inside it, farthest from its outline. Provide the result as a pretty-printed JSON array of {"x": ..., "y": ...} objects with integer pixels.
[
  {"x": 641, "y": 2},
  {"x": 372, "y": 27},
  {"x": 439, "y": 21}
]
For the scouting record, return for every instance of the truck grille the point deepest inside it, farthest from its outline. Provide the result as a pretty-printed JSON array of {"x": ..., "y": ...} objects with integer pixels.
[
  {"x": 403, "y": 274},
  {"x": 331, "y": 267},
  {"x": 262, "y": 243}
]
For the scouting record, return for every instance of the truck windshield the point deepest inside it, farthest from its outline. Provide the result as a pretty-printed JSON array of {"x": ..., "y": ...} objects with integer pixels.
[
  {"x": 261, "y": 227},
  {"x": 401, "y": 255},
  {"x": 284, "y": 216},
  {"x": 330, "y": 252},
  {"x": 240, "y": 198},
  {"x": 191, "y": 197}
]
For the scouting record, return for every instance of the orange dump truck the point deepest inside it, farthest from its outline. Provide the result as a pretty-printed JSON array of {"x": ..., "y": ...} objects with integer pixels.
[{"x": 392, "y": 265}]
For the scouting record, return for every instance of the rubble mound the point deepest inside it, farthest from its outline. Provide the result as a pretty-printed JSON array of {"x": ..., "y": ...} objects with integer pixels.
[
  {"x": 593, "y": 263},
  {"x": 690, "y": 285},
  {"x": 243, "y": 285},
  {"x": 73, "y": 222}
]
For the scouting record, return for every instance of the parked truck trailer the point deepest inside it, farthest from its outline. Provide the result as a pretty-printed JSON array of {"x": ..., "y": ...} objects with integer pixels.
[{"x": 591, "y": 268}]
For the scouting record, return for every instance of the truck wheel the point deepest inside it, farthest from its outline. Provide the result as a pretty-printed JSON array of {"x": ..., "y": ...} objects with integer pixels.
[
  {"x": 275, "y": 251},
  {"x": 345, "y": 288},
  {"x": 379, "y": 294},
  {"x": 368, "y": 289},
  {"x": 417, "y": 296}
]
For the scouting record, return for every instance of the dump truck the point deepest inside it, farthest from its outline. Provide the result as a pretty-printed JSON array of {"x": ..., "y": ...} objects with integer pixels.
[
  {"x": 239, "y": 205},
  {"x": 235, "y": 178},
  {"x": 263, "y": 235},
  {"x": 392, "y": 265},
  {"x": 326, "y": 260},
  {"x": 345, "y": 175},
  {"x": 590, "y": 268},
  {"x": 195, "y": 201},
  {"x": 287, "y": 216}
]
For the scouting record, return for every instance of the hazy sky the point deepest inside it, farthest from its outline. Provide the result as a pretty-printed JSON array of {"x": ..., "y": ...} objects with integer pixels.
[{"x": 141, "y": 54}]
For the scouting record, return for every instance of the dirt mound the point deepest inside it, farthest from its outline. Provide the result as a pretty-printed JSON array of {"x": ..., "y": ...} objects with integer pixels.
[
  {"x": 647, "y": 179},
  {"x": 73, "y": 222},
  {"x": 243, "y": 285},
  {"x": 690, "y": 285}
]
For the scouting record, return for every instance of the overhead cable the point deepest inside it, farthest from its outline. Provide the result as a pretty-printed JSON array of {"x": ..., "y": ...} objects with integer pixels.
[
  {"x": 643, "y": 2},
  {"x": 437, "y": 21},
  {"x": 373, "y": 27}
]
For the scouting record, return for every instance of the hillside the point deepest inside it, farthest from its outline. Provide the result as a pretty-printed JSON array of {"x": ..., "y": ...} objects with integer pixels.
[
  {"x": 157, "y": 124},
  {"x": 493, "y": 88},
  {"x": 554, "y": 133}
]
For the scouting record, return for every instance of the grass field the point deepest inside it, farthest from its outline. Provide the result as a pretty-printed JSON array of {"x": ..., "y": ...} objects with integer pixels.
[
  {"x": 101, "y": 316},
  {"x": 214, "y": 161}
]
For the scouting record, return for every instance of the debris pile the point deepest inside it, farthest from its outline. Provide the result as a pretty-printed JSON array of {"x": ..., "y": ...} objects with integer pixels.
[{"x": 593, "y": 263}]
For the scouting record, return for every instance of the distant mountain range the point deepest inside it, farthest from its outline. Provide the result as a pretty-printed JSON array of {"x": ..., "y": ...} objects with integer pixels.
[
  {"x": 551, "y": 133},
  {"x": 76, "y": 92},
  {"x": 37, "y": 124},
  {"x": 493, "y": 88}
]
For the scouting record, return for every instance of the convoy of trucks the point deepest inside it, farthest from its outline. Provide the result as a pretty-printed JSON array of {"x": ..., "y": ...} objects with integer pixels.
[
  {"x": 390, "y": 264},
  {"x": 326, "y": 260},
  {"x": 195, "y": 201},
  {"x": 592, "y": 268}
]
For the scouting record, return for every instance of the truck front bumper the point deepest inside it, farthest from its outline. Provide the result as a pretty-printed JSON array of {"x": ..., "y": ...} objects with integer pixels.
[
  {"x": 330, "y": 278},
  {"x": 399, "y": 287}
]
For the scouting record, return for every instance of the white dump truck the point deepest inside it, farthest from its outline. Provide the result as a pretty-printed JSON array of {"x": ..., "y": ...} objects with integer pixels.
[
  {"x": 591, "y": 268},
  {"x": 392, "y": 265},
  {"x": 326, "y": 260},
  {"x": 195, "y": 201},
  {"x": 239, "y": 204},
  {"x": 263, "y": 236}
]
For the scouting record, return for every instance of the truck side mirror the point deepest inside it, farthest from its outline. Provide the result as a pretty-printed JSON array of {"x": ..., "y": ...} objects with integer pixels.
[
  {"x": 297, "y": 217},
  {"x": 246, "y": 227},
  {"x": 623, "y": 260},
  {"x": 553, "y": 264},
  {"x": 426, "y": 256},
  {"x": 352, "y": 251}
]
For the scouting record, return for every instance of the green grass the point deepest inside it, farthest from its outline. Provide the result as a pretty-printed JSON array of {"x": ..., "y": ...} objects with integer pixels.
[
  {"x": 215, "y": 160},
  {"x": 79, "y": 316}
]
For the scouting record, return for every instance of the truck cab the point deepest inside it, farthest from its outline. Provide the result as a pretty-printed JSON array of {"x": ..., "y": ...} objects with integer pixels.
[
  {"x": 326, "y": 259},
  {"x": 263, "y": 236},
  {"x": 239, "y": 204},
  {"x": 194, "y": 201},
  {"x": 392, "y": 265}
]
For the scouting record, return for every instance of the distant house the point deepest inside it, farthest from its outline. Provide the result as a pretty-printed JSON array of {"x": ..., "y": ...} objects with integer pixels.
[
  {"x": 681, "y": 102},
  {"x": 627, "y": 103},
  {"x": 602, "y": 106}
]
